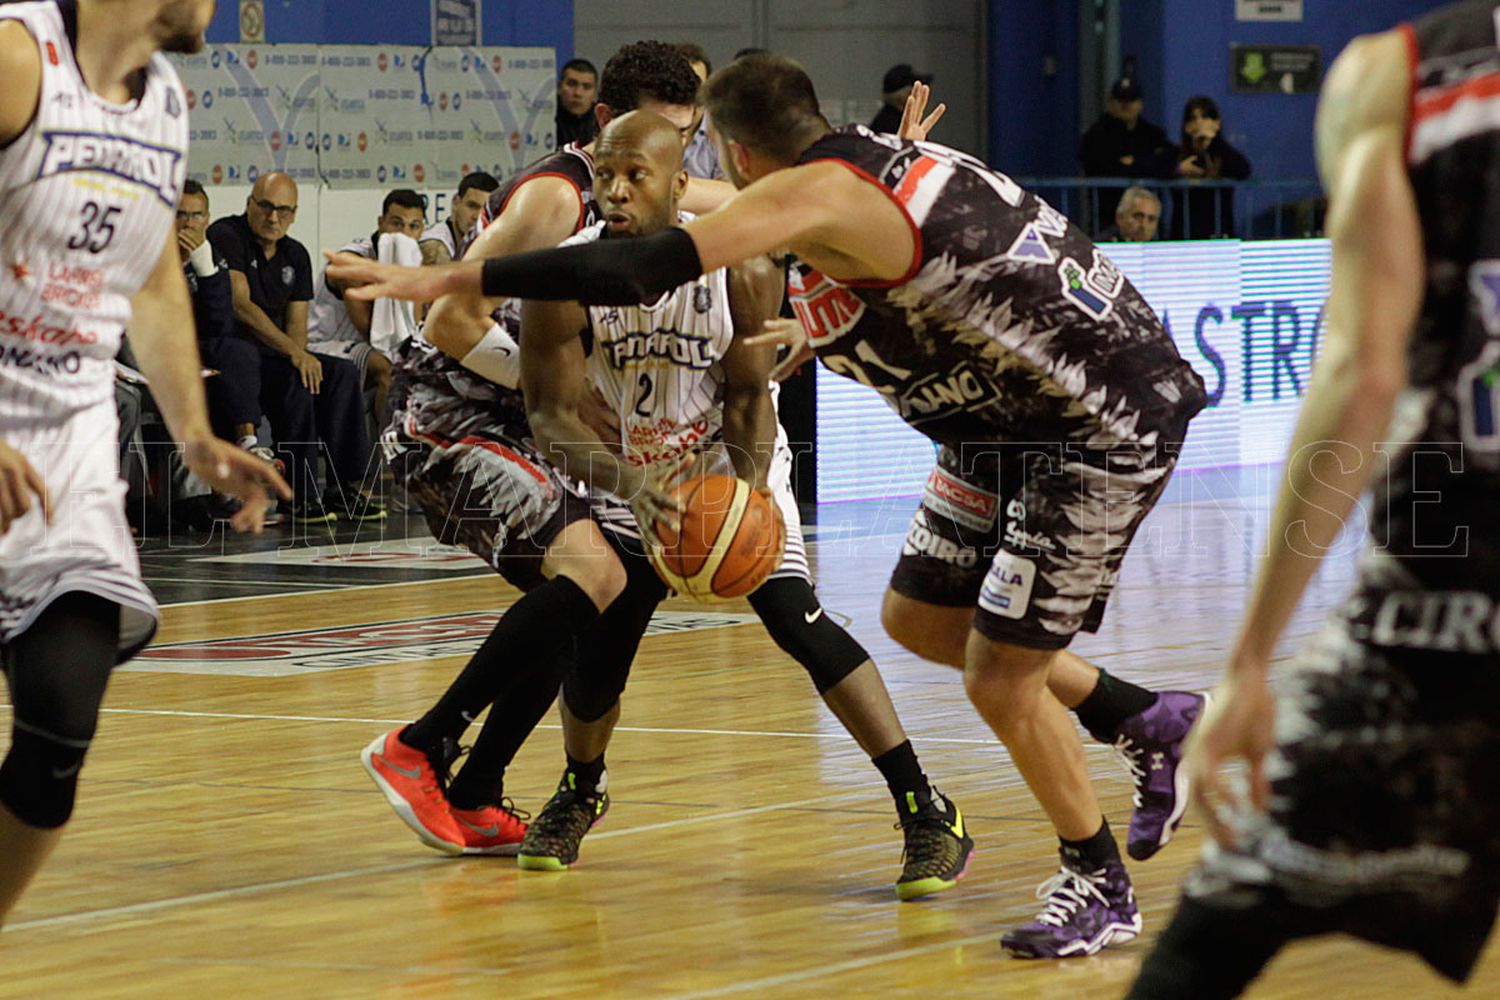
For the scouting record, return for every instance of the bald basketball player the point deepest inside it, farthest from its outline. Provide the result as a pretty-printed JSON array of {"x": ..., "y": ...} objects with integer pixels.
[
  {"x": 711, "y": 401},
  {"x": 993, "y": 326}
]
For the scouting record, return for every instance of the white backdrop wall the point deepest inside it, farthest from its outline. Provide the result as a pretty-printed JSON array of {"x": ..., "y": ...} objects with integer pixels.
[
  {"x": 846, "y": 46},
  {"x": 350, "y": 122}
]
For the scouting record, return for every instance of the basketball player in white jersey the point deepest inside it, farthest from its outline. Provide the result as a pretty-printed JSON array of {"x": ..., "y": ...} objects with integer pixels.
[
  {"x": 681, "y": 381},
  {"x": 93, "y": 151}
]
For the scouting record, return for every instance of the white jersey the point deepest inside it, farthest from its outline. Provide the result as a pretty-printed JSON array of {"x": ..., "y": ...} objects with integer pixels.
[
  {"x": 328, "y": 320},
  {"x": 443, "y": 233},
  {"x": 88, "y": 194},
  {"x": 658, "y": 366},
  {"x": 660, "y": 369}
]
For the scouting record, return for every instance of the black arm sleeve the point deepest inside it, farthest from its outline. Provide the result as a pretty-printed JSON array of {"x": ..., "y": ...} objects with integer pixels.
[{"x": 607, "y": 272}]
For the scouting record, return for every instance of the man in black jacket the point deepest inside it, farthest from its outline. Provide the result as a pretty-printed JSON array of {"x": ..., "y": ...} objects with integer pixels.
[
  {"x": 577, "y": 89},
  {"x": 1123, "y": 144}
]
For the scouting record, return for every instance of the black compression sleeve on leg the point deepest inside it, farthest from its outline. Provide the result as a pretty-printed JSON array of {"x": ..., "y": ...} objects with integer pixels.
[
  {"x": 606, "y": 272},
  {"x": 798, "y": 624},
  {"x": 595, "y": 680},
  {"x": 58, "y": 670},
  {"x": 527, "y": 639}
]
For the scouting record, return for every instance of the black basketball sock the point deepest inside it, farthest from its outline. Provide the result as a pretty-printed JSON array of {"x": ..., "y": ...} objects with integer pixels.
[
  {"x": 1093, "y": 852},
  {"x": 481, "y": 781},
  {"x": 1110, "y": 703},
  {"x": 585, "y": 776},
  {"x": 904, "y": 777},
  {"x": 526, "y": 641}
]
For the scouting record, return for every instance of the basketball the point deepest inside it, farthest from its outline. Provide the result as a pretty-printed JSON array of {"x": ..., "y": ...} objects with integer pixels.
[{"x": 731, "y": 539}]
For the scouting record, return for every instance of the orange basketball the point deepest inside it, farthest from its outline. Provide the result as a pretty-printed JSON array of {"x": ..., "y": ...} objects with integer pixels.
[{"x": 731, "y": 540}]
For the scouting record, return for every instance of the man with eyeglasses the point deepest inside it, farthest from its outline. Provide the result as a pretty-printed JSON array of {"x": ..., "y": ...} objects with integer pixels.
[
  {"x": 311, "y": 399},
  {"x": 233, "y": 400}
]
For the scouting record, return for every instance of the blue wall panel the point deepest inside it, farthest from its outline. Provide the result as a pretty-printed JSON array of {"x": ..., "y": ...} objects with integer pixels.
[{"x": 407, "y": 22}]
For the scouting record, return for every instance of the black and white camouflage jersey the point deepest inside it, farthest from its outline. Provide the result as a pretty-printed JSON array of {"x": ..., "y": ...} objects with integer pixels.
[{"x": 1010, "y": 324}]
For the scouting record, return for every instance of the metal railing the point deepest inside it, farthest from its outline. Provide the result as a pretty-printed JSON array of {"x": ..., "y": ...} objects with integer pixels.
[{"x": 1251, "y": 209}]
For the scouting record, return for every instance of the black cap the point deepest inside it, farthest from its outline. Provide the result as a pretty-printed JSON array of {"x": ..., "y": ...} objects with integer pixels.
[
  {"x": 1125, "y": 89},
  {"x": 902, "y": 75}
]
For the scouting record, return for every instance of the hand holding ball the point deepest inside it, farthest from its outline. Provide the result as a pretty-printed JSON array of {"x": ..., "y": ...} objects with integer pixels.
[{"x": 731, "y": 539}]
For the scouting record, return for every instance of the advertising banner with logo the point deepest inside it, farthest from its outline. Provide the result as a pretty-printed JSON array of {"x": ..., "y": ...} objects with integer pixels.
[
  {"x": 1246, "y": 316},
  {"x": 366, "y": 116}
]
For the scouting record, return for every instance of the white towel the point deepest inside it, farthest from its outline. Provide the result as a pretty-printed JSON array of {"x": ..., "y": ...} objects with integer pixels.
[{"x": 392, "y": 320}]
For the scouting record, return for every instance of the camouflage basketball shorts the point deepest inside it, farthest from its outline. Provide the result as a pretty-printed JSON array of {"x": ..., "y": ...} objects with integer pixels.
[
  {"x": 489, "y": 491},
  {"x": 1032, "y": 535}
]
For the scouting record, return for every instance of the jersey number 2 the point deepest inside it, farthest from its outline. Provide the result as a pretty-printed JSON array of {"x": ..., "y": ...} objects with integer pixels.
[
  {"x": 644, "y": 396},
  {"x": 98, "y": 228}
]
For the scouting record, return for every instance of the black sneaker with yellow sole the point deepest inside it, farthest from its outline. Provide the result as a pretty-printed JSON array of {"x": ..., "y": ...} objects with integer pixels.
[
  {"x": 552, "y": 839},
  {"x": 938, "y": 848}
]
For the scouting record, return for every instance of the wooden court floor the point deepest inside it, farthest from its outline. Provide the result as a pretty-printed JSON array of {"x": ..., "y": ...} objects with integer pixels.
[{"x": 228, "y": 844}]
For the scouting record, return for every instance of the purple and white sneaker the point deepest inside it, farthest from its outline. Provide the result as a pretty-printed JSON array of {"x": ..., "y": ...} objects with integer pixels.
[
  {"x": 1150, "y": 746},
  {"x": 1086, "y": 911}
]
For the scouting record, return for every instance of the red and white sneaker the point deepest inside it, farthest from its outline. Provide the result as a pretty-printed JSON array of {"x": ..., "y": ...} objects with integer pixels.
[
  {"x": 491, "y": 829},
  {"x": 412, "y": 788}
]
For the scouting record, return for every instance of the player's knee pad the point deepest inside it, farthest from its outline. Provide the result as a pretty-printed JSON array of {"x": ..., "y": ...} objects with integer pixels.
[
  {"x": 39, "y": 779},
  {"x": 797, "y": 622},
  {"x": 593, "y": 683}
]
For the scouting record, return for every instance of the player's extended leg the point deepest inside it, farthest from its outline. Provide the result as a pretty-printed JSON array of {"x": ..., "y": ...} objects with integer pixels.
[
  {"x": 1146, "y": 728},
  {"x": 57, "y": 670},
  {"x": 938, "y": 848},
  {"x": 489, "y": 493},
  {"x": 1090, "y": 903},
  {"x": 590, "y": 709}
]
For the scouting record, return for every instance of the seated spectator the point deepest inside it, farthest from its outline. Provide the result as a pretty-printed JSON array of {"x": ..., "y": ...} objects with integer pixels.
[
  {"x": 1205, "y": 155},
  {"x": 339, "y": 327},
  {"x": 441, "y": 240},
  {"x": 312, "y": 401},
  {"x": 1124, "y": 144},
  {"x": 1136, "y": 218},
  {"x": 233, "y": 403},
  {"x": 895, "y": 89},
  {"x": 577, "y": 89},
  {"x": 701, "y": 158}
]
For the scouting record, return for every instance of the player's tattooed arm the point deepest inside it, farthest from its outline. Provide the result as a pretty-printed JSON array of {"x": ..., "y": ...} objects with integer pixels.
[
  {"x": 755, "y": 292},
  {"x": 1375, "y": 297},
  {"x": 21, "y": 69},
  {"x": 434, "y": 252}
]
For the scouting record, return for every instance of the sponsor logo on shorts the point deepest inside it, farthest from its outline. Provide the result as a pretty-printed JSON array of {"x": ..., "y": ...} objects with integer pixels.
[
  {"x": 921, "y": 540},
  {"x": 1007, "y": 586},
  {"x": 959, "y": 501}
]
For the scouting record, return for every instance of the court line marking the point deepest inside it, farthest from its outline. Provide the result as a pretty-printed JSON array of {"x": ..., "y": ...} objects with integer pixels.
[
  {"x": 191, "y": 899},
  {"x": 224, "y": 582},
  {"x": 661, "y": 730},
  {"x": 821, "y": 971},
  {"x": 325, "y": 590}
]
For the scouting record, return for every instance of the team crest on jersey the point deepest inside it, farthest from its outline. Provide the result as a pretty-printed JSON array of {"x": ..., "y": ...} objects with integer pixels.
[
  {"x": 173, "y": 107},
  {"x": 703, "y": 298},
  {"x": 153, "y": 167},
  {"x": 287, "y": 274}
]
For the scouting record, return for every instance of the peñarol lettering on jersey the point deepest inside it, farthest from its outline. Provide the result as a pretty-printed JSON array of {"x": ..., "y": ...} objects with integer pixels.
[
  {"x": 679, "y": 348},
  {"x": 154, "y": 167}
]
